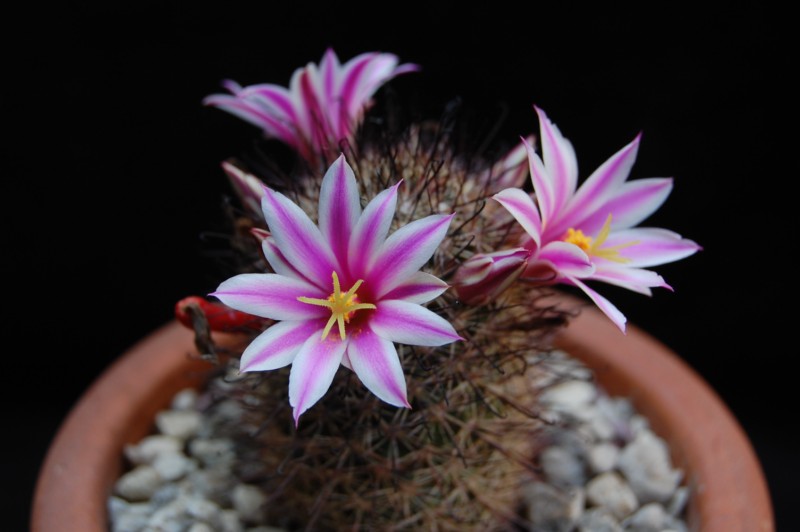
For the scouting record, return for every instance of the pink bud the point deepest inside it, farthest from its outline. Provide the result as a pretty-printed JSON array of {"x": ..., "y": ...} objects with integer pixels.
[{"x": 485, "y": 276}]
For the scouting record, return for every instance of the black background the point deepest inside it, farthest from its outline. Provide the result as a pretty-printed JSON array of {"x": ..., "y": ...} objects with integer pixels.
[{"x": 112, "y": 174}]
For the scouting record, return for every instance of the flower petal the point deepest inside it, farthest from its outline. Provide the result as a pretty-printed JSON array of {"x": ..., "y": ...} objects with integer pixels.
[
  {"x": 272, "y": 296},
  {"x": 542, "y": 186},
  {"x": 485, "y": 276},
  {"x": 298, "y": 238},
  {"x": 405, "y": 251},
  {"x": 408, "y": 323},
  {"x": 278, "y": 262},
  {"x": 419, "y": 288},
  {"x": 632, "y": 203},
  {"x": 599, "y": 188},
  {"x": 635, "y": 279},
  {"x": 375, "y": 361},
  {"x": 522, "y": 208},
  {"x": 339, "y": 207},
  {"x": 653, "y": 246},
  {"x": 370, "y": 231},
  {"x": 603, "y": 304},
  {"x": 559, "y": 158},
  {"x": 568, "y": 259},
  {"x": 510, "y": 171},
  {"x": 277, "y": 346},
  {"x": 312, "y": 372}
]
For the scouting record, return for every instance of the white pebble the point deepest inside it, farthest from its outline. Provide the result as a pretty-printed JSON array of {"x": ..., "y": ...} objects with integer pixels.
[
  {"x": 201, "y": 527},
  {"x": 602, "y": 457},
  {"x": 127, "y": 517},
  {"x": 181, "y": 424},
  {"x": 185, "y": 399},
  {"x": 562, "y": 467},
  {"x": 609, "y": 491},
  {"x": 229, "y": 522},
  {"x": 569, "y": 396},
  {"x": 138, "y": 484},
  {"x": 212, "y": 451},
  {"x": 598, "y": 520},
  {"x": 248, "y": 501},
  {"x": 649, "y": 518},
  {"x": 646, "y": 464},
  {"x": 204, "y": 510},
  {"x": 550, "y": 508},
  {"x": 170, "y": 518},
  {"x": 150, "y": 447},
  {"x": 678, "y": 501},
  {"x": 172, "y": 466}
]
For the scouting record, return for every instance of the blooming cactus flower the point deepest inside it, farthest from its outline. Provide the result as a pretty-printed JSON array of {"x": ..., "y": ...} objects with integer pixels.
[
  {"x": 323, "y": 105},
  {"x": 587, "y": 233},
  {"x": 343, "y": 292}
]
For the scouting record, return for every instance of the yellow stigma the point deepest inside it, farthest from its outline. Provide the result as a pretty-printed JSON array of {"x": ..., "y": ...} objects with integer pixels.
[
  {"x": 594, "y": 246},
  {"x": 342, "y": 305}
]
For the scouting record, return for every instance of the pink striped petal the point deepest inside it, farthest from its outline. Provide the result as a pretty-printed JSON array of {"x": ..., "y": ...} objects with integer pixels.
[
  {"x": 522, "y": 208},
  {"x": 248, "y": 187},
  {"x": 634, "y": 201},
  {"x": 370, "y": 231},
  {"x": 278, "y": 262},
  {"x": 277, "y": 346},
  {"x": 249, "y": 112},
  {"x": 375, "y": 361},
  {"x": 312, "y": 373},
  {"x": 339, "y": 207},
  {"x": 272, "y": 296},
  {"x": 419, "y": 288},
  {"x": 542, "y": 186},
  {"x": 600, "y": 187},
  {"x": 510, "y": 171},
  {"x": 635, "y": 279},
  {"x": 568, "y": 259},
  {"x": 603, "y": 304},
  {"x": 272, "y": 97},
  {"x": 654, "y": 246},
  {"x": 559, "y": 158},
  {"x": 405, "y": 251},
  {"x": 411, "y": 324},
  {"x": 299, "y": 239}
]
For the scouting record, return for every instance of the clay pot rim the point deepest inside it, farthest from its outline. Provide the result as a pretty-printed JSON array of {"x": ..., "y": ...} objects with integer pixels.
[{"x": 729, "y": 491}]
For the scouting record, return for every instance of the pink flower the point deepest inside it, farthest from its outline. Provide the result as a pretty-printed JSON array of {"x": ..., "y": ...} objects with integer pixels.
[
  {"x": 323, "y": 105},
  {"x": 342, "y": 291},
  {"x": 587, "y": 233}
]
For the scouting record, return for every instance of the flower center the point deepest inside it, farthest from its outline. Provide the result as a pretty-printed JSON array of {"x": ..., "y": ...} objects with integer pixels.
[
  {"x": 342, "y": 305},
  {"x": 594, "y": 246}
]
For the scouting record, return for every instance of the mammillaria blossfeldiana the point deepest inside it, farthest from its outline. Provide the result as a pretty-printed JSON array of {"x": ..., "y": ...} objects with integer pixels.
[
  {"x": 343, "y": 292},
  {"x": 587, "y": 233},
  {"x": 323, "y": 105}
]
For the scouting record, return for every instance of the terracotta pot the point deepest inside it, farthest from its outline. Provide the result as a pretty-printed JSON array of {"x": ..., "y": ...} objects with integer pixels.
[{"x": 729, "y": 492}]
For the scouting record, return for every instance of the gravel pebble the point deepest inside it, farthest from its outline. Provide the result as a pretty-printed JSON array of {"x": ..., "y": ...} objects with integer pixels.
[
  {"x": 249, "y": 502},
  {"x": 646, "y": 464},
  {"x": 562, "y": 467},
  {"x": 602, "y": 457},
  {"x": 598, "y": 520},
  {"x": 150, "y": 447},
  {"x": 184, "y": 400},
  {"x": 172, "y": 466},
  {"x": 649, "y": 518},
  {"x": 610, "y": 491},
  {"x": 181, "y": 424},
  {"x": 551, "y": 509},
  {"x": 138, "y": 484}
]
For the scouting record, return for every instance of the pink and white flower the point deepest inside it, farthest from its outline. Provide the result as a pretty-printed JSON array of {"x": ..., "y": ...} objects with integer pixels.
[
  {"x": 343, "y": 292},
  {"x": 322, "y": 107},
  {"x": 585, "y": 233}
]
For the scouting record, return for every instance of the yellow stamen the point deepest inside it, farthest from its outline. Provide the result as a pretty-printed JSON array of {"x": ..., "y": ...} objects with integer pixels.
[
  {"x": 594, "y": 246},
  {"x": 576, "y": 236},
  {"x": 342, "y": 306}
]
